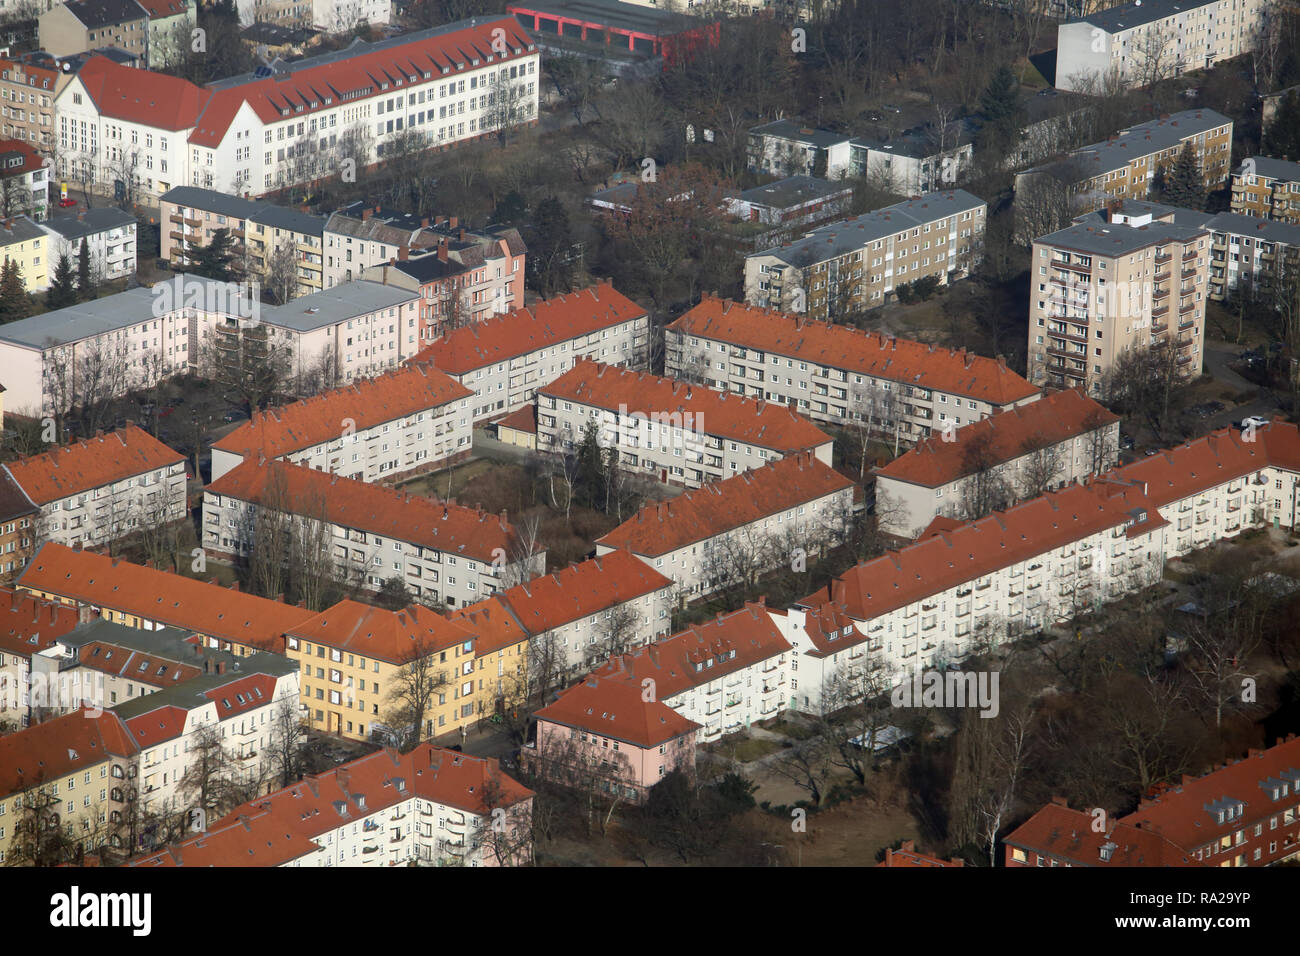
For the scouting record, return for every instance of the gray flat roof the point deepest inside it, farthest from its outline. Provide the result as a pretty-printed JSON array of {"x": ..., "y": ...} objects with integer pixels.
[
  {"x": 1272, "y": 168},
  {"x": 20, "y": 229},
  {"x": 90, "y": 222},
  {"x": 792, "y": 191},
  {"x": 837, "y": 238},
  {"x": 1130, "y": 15},
  {"x": 1239, "y": 225},
  {"x": 1149, "y": 137},
  {"x": 788, "y": 129},
  {"x": 213, "y": 201},
  {"x": 612, "y": 13},
  {"x": 1117, "y": 239},
  {"x": 291, "y": 219},
  {"x": 334, "y": 305}
]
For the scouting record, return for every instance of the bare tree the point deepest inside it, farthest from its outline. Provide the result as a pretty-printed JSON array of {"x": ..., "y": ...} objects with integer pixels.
[
  {"x": 1041, "y": 466},
  {"x": 282, "y": 272},
  {"x": 984, "y": 489},
  {"x": 288, "y": 734},
  {"x": 807, "y": 765},
  {"x": 615, "y": 634},
  {"x": 411, "y": 695}
]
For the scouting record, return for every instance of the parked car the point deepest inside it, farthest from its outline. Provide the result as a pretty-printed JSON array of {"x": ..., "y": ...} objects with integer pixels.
[
  {"x": 1126, "y": 442},
  {"x": 67, "y": 203},
  {"x": 890, "y": 108}
]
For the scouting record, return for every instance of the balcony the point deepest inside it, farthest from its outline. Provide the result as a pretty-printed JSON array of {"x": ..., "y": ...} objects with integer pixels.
[
  {"x": 1163, "y": 258},
  {"x": 1189, "y": 256},
  {"x": 1159, "y": 294},
  {"x": 1158, "y": 328}
]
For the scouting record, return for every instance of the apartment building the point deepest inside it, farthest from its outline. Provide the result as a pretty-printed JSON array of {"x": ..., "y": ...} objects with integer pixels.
[
  {"x": 784, "y": 148},
  {"x": 629, "y": 748},
  {"x": 791, "y": 202},
  {"x": 1020, "y": 453},
  {"x": 224, "y": 618},
  {"x": 1105, "y": 286},
  {"x": 430, "y": 807},
  {"x": 1124, "y": 166},
  {"x": 71, "y": 772},
  {"x": 311, "y": 118},
  {"x": 354, "y": 658},
  {"x": 28, "y": 85},
  {"x": 838, "y": 374},
  {"x": 392, "y": 426},
  {"x": 19, "y": 516},
  {"x": 259, "y": 230},
  {"x": 26, "y": 244},
  {"x": 579, "y": 616},
  {"x": 171, "y": 25},
  {"x": 24, "y": 179},
  {"x": 101, "y": 489},
  {"x": 966, "y": 585},
  {"x": 672, "y": 431},
  {"x": 466, "y": 278},
  {"x": 109, "y": 234},
  {"x": 723, "y": 674},
  {"x": 353, "y": 242},
  {"x": 729, "y": 530},
  {"x": 28, "y": 625},
  {"x": 1140, "y": 43},
  {"x": 1247, "y": 254},
  {"x": 1267, "y": 188},
  {"x": 856, "y": 264},
  {"x": 913, "y": 162},
  {"x": 74, "y": 26},
  {"x": 441, "y": 551},
  {"x": 504, "y": 359},
  {"x": 1243, "y": 813},
  {"x": 172, "y": 694}
]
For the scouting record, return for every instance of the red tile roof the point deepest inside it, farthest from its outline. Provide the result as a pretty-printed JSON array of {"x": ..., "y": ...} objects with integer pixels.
[
  {"x": 1058, "y": 832},
  {"x": 140, "y": 96},
  {"x": 349, "y": 503},
  {"x": 615, "y": 707},
  {"x": 907, "y": 856},
  {"x": 719, "y": 647},
  {"x": 1008, "y": 434},
  {"x": 161, "y": 9},
  {"x": 127, "y": 662},
  {"x": 664, "y": 526},
  {"x": 46, "y": 752},
  {"x": 754, "y": 421},
  {"x": 309, "y": 89},
  {"x": 520, "y": 331},
  {"x": 31, "y": 158},
  {"x": 91, "y": 463},
  {"x": 521, "y": 420},
  {"x": 281, "y": 827},
  {"x": 589, "y": 587},
  {"x": 393, "y": 636},
  {"x": 954, "y": 371},
  {"x": 157, "y": 726},
  {"x": 202, "y": 607},
  {"x": 494, "y": 625},
  {"x": 29, "y": 625},
  {"x": 257, "y": 690},
  {"x": 313, "y": 421},
  {"x": 1181, "y": 812}
]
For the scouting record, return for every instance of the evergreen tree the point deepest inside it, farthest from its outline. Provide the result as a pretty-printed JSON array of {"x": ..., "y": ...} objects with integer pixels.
[
  {"x": 15, "y": 303},
  {"x": 551, "y": 236},
  {"x": 511, "y": 210},
  {"x": 1182, "y": 184},
  {"x": 1282, "y": 138},
  {"x": 1000, "y": 104},
  {"x": 63, "y": 288},
  {"x": 215, "y": 260},
  {"x": 85, "y": 282}
]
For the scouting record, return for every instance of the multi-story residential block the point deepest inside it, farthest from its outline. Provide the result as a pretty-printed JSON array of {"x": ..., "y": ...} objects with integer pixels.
[
  {"x": 26, "y": 244},
  {"x": 28, "y": 85},
  {"x": 19, "y": 516},
  {"x": 506, "y": 358},
  {"x": 176, "y": 697},
  {"x": 965, "y": 585},
  {"x": 74, "y": 26},
  {"x": 295, "y": 14},
  {"x": 913, "y": 162},
  {"x": 28, "y": 625},
  {"x": 1020, "y": 453},
  {"x": 355, "y": 658},
  {"x": 24, "y": 179},
  {"x": 730, "y": 531},
  {"x": 441, "y": 551},
  {"x": 723, "y": 674},
  {"x": 1245, "y": 813},
  {"x": 465, "y": 278},
  {"x": 1129, "y": 278},
  {"x": 669, "y": 430},
  {"x": 430, "y": 807},
  {"x": 224, "y": 618},
  {"x": 855, "y": 264},
  {"x": 575, "y": 618},
  {"x": 344, "y": 16},
  {"x": 356, "y": 330},
  {"x": 100, "y": 489},
  {"x": 109, "y": 234},
  {"x": 72, "y": 772},
  {"x": 634, "y": 743},
  {"x": 1267, "y": 188},
  {"x": 357, "y": 239},
  {"x": 791, "y": 202},
  {"x": 784, "y": 148},
  {"x": 1248, "y": 255},
  {"x": 396, "y": 425},
  {"x": 838, "y": 374},
  {"x": 171, "y": 26},
  {"x": 260, "y": 231},
  {"x": 324, "y": 115},
  {"x": 1124, "y": 166},
  {"x": 1140, "y": 43}
]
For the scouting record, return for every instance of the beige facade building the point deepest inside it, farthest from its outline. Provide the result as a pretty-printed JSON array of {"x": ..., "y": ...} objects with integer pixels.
[
  {"x": 27, "y": 90},
  {"x": 1125, "y": 279},
  {"x": 1267, "y": 189},
  {"x": 79, "y": 25}
]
